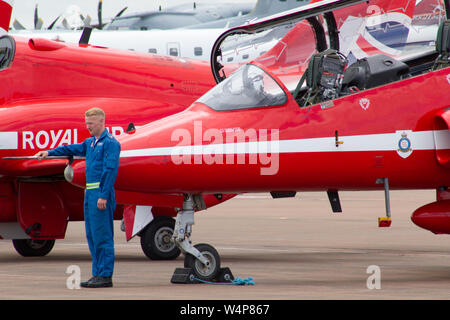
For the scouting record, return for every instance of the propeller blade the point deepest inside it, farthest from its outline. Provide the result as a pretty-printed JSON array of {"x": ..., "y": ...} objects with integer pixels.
[
  {"x": 17, "y": 25},
  {"x": 50, "y": 27},
  {"x": 120, "y": 13},
  {"x": 99, "y": 13},
  {"x": 85, "y": 35},
  {"x": 66, "y": 24},
  {"x": 36, "y": 15},
  {"x": 87, "y": 21},
  {"x": 39, "y": 24}
]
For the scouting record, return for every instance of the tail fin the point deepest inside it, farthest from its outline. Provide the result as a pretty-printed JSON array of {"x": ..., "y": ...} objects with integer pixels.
[{"x": 5, "y": 15}]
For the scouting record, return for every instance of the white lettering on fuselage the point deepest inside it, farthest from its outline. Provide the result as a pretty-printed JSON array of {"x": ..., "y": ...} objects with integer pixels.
[
  {"x": 50, "y": 139},
  {"x": 115, "y": 131}
]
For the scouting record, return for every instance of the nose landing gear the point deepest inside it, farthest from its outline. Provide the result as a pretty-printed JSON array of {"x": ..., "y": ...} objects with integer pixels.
[
  {"x": 201, "y": 261},
  {"x": 208, "y": 271}
]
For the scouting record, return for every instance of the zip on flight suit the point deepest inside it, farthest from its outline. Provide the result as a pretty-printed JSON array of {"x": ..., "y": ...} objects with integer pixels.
[{"x": 102, "y": 164}]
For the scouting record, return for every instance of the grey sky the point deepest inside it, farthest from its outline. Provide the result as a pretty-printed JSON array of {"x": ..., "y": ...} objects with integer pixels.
[{"x": 23, "y": 10}]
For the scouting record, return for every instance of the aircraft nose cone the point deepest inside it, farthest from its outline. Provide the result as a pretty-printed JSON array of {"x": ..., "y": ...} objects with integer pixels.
[{"x": 68, "y": 173}]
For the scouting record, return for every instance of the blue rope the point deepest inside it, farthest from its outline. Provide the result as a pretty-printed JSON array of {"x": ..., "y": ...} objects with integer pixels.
[{"x": 237, "y": 281}]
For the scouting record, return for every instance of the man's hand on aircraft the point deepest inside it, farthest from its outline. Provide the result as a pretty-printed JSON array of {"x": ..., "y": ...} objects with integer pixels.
[
  {"x": 41, "y": 155},
  {"x": 101, "y": 204}
]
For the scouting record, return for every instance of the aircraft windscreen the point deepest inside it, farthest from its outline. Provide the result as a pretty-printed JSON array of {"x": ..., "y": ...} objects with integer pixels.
[{"x": 248, "y": 87}]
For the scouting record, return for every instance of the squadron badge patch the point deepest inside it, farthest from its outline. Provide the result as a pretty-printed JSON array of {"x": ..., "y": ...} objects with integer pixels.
[{"x": 404, "y": 145}]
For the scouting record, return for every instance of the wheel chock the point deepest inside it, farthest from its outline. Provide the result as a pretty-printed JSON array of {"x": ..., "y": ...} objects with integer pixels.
[
  {"x": 183, "y": 275},
  {"x": 225, "y": 275},
  {"x": 187, "y": 276},
  {"x": 384, "y": 222}
]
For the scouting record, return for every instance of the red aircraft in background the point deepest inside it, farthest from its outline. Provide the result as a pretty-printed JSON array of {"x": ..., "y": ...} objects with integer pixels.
[
  {"x": 47, "y": 87},
  {"x": 372, "y": 116}
]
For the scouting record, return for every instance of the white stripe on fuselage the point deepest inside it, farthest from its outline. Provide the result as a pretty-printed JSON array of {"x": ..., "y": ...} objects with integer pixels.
[
  {"x": 9, "y": 140},
  {"x": 421, "y": 140}
]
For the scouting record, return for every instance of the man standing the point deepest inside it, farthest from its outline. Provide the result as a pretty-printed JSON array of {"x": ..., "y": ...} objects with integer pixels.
[{"x": 102, "y": 162}]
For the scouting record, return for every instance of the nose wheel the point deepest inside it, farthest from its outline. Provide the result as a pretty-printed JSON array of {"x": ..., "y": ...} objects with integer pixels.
[
  {"x": 201, "y": 261},
  {"x": 208, "y": 271}
]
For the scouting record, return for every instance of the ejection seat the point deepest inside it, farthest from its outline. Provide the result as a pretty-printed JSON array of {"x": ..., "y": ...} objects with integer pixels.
[
  {"x": 443, "y": 46},
  {"x": 323, "y": 78},
  {"x": 328, "y": 76}
]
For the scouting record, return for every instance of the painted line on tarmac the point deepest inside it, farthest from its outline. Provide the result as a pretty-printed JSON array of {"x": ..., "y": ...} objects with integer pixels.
[
  {"x": 247, "y": 249},
  {"x": 79, "y": 244}
]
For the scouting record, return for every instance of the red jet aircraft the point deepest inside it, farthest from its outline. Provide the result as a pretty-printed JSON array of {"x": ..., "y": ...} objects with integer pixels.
[
  {"x": 349, "y": 122},
  {"x": 47, "y": 87}
]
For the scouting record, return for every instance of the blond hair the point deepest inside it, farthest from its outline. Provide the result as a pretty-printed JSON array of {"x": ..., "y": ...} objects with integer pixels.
[{"x": 95, "y": 112}]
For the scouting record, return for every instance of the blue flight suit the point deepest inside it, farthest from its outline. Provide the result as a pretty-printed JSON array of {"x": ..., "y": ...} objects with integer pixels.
[{"x": 102, "y": 164}]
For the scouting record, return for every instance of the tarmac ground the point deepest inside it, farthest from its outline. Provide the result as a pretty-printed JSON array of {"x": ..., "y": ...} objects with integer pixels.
[{"x": 293, "y": 248}]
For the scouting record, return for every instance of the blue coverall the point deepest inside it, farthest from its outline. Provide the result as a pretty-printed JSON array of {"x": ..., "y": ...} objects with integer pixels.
[{"x": 102, "y": 164}]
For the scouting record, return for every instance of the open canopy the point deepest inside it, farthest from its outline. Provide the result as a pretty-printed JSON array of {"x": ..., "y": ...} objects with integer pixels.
[{"x": 284, "y": 43}]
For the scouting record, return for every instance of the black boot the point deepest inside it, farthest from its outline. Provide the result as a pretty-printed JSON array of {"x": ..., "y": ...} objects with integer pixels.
[
  {"x": 100, "y": 282},
  {"x": 86, "y": 284}
]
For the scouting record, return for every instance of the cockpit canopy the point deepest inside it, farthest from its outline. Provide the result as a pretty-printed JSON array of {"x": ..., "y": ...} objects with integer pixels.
[
  {"x": 284, "y": 43},
  {"x": 248, "y": 87}
]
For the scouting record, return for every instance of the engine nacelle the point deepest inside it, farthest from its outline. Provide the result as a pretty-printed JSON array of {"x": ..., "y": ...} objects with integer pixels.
[{"x": 434, "y": 217}]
